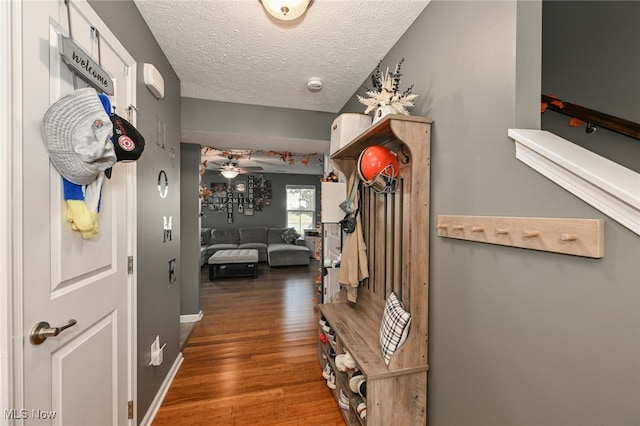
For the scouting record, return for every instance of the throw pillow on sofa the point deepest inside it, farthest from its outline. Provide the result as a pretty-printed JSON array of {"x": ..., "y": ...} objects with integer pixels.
[
  {"x": 205, "y": 236},
  {"x": 290, "y": 236},
  {"x": 225, "y": 236}
]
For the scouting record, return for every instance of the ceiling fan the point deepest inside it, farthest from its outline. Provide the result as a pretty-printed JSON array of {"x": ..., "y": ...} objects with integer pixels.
[{"x": 230, "y": 169}]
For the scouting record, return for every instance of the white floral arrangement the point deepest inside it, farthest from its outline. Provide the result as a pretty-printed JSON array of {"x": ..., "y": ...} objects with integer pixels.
[{"x": 386, "y": 91}]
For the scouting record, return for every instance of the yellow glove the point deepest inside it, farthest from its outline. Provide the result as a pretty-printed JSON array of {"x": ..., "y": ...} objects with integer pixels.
[
  {"x": 92, "y": 196},
  {"x": 79, "y": 217}
]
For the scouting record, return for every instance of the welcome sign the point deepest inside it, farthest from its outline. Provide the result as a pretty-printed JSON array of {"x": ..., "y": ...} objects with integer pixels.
[{"x": 84, "y": 66}]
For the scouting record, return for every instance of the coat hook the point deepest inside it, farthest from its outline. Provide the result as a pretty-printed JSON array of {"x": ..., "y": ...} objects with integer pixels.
[
  {"x": 530, "y": 234},
  {"x": 591, "y": 128},
  {"x": 442, "y": 226},
  {"x": 568, "y": 237},
  {"x": 502, "y": 230},
  {"x": 477, "y": 229},
  {"x": 458, "y": 227}
]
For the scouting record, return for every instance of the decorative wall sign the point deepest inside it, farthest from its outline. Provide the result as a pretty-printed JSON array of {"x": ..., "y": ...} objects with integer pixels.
[
  {"x": 85, "y": 67},
  {"x": 229, "y": 205},
  {"x": 251, "y": 195},
  {"x": 167, "y": 229},
  {"x": 163, "y": 184}
]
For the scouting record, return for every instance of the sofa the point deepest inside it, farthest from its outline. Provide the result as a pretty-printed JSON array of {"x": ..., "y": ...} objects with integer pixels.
[{"x": 276, "y": 246}]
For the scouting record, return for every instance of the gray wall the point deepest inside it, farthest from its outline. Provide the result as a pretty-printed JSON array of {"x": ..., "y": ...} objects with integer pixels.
[
  {"x": 198, "y": 114},
  {"x": 602, "y": 76},
  {"x": 189, "y": 229},
  {"x": 274, "y": 216},
  {"x": 158, "y": 301},
  {"x": 517, "y": 337}
]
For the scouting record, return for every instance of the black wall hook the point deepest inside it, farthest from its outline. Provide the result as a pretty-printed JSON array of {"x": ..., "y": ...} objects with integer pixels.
[{"x": 591, "y": 128}]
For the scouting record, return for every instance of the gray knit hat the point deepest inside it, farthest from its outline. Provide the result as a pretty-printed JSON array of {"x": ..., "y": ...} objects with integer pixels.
[{"x": 77, "y": 133}]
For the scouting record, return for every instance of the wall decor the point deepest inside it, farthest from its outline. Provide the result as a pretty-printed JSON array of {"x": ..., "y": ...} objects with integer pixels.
[
  {"x": 218, "y": 196},
  {"x": 385, "y": 97},
  {"x": 84, "y": 66},
  {"x": 172, "y": 271},
  {"x": 242, "y": 196},
  {"x": 229, "y": 204},
  {"x": 260, "y": 192},
  {"x": 163, "y": 184},
  {"x": 204, "y": 193},
  {"x": 250, "y": 194},
  {"x": 219, "y": 189},
  {"x": 172, "y": 156},
  {"x": 167, "y": 229}
]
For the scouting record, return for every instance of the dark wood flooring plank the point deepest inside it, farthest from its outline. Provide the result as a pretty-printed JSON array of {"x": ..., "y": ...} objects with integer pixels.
[{"x": 252, "y": 359}]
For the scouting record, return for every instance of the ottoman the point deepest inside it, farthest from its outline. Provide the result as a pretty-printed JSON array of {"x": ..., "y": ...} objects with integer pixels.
[{"x": 233, "y": 263}]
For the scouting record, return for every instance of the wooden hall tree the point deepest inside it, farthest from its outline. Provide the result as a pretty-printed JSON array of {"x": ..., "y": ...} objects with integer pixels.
[{"x": 396, "y": 232}]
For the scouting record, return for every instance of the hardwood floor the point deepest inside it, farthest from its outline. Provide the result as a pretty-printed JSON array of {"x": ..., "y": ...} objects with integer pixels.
[{"x": 253, "y": 358}]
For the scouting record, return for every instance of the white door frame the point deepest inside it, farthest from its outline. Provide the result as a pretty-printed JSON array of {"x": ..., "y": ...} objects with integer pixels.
[
  {"x": 11, "y": 258},
  {"x": 10, "y": 207}
]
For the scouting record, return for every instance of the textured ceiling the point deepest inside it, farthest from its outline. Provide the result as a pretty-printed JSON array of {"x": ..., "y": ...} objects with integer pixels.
[{"x": 233, "y": 51}]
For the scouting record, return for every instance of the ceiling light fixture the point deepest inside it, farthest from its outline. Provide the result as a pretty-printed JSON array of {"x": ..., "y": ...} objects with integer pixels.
[
  {"x": 229, "y": 173},
  {"x": 286, "y": 10}
]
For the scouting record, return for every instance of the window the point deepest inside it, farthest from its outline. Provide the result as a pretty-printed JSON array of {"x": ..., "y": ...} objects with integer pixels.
[{"x": 301, "y": 207}]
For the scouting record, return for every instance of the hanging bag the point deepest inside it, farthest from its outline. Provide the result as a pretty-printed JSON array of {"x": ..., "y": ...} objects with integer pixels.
[
  {"x": 348, "y": 206},
  {"x": 348, "y": 224}
]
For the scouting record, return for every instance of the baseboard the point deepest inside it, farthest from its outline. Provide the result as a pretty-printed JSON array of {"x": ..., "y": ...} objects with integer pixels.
[
  {"x": 191, "y": 317},
  {"x": 162, "y": 392}
]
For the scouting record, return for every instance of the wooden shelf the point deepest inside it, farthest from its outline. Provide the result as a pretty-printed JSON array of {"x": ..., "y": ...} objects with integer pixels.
[{"x": 390, "y": 132}]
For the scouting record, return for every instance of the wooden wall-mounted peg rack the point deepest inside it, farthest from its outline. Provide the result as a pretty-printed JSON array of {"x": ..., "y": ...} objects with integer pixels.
[{"x": 578, "y": 237}]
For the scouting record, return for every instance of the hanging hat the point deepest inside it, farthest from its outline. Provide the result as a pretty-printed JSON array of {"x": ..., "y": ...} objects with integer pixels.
[
  {"x": 127, "y": 141},
  {"x": 77, "y": 133}
]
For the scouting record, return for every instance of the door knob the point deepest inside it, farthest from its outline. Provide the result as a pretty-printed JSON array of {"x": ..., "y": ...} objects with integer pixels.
[{"x": 42, "y": 330}]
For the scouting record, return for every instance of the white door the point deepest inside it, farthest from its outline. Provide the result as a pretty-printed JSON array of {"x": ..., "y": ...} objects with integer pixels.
[{"x": 85, "y": 375}]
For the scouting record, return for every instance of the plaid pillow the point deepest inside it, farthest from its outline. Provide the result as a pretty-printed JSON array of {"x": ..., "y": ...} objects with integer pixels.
[
  {"x": 394, "y": 327},
  {"x": 290, "y": 236}
]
